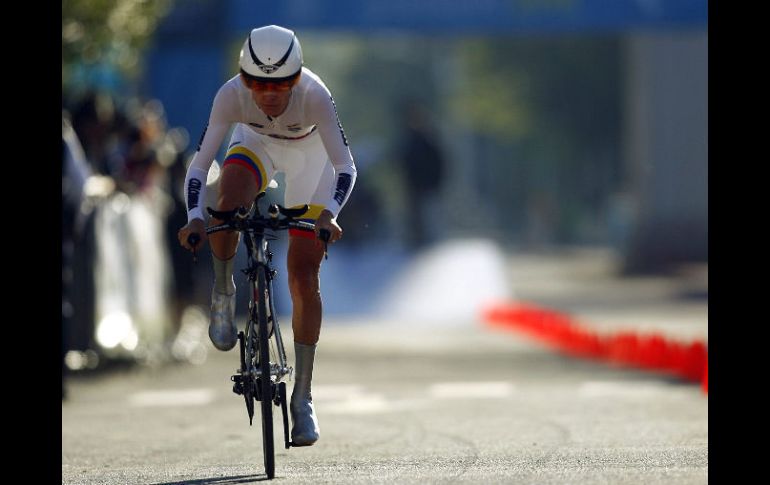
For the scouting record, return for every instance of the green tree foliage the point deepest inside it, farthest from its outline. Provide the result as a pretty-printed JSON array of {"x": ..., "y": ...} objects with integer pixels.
[
  {"x": 547, "y": 88},
  {"x": 548, "y": 109},
  {"x": 107, "y": 32}
]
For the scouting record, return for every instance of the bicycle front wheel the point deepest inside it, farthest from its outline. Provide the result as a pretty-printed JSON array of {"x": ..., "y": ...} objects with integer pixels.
[{"x": 265, "y": 382}]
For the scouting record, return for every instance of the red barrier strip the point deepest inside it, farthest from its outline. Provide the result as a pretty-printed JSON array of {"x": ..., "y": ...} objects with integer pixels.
[{"x": 558, "y": 330}]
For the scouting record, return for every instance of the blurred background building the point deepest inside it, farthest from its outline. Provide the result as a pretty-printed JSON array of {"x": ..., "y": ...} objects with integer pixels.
[{"x": 546, "y": 124}]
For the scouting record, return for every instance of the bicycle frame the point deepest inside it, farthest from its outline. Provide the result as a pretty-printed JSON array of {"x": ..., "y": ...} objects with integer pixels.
[{"x": 256, "y": 242}]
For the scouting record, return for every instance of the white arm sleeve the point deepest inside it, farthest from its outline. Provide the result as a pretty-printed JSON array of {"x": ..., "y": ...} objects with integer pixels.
[
  {"x": 336, "y": 144},
  {"x": 223, "y": 114},
  {"x": 195, "y": 192}
]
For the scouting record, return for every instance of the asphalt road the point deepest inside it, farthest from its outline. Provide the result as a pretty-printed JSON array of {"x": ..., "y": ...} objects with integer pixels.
[{"x": 396, "y": 403}]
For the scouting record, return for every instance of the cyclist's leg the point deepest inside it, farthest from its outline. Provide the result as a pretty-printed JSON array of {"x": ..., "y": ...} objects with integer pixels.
[
  {"x": 304, "y": 262},
  {"x": 246, "y": 171},
  {"x": 309, "y": 176}
]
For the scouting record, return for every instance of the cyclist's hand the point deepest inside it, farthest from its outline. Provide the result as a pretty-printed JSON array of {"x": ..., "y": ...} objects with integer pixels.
[
  {"x": 328, "y": 222},
  {"x": 196, "y": 226}
]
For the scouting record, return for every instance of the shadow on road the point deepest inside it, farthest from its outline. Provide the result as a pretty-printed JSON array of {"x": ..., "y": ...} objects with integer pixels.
[{"x": 220, "y": 480}]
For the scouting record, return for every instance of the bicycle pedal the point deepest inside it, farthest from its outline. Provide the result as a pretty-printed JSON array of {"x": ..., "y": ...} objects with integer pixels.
[
  {"x": 237, "y": 384},
  {"x": 293, "y": 445}
]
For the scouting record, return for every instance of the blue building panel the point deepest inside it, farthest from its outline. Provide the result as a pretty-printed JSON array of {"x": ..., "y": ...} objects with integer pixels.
[
  {"x": 186, "y": 78},
  {"x": 478, "y": 16}
]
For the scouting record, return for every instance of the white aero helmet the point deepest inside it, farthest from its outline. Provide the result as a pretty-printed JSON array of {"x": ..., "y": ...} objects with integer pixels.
[{"x": 271, "y": 53}]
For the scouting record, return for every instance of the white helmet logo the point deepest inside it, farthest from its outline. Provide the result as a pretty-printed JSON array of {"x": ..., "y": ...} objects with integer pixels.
[{"x": 268, "y": 69}]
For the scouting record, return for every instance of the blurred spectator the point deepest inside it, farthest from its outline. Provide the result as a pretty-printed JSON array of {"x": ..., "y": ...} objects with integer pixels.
[
  {"x": 422, "y": 169},
  {"x": 93, "y": 119},
  {"x": 129, "y": 151},
  {"x": 74, "y": 173}
]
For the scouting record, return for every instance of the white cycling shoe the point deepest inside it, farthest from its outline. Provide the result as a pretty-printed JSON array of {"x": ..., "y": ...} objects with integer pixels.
[
  {"x": 305, "y": 430},
  {"x": 222, "y": 330}
]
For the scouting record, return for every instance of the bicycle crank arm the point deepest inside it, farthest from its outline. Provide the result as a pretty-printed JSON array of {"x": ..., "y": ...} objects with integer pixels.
[{"x": 282, "y": 401}]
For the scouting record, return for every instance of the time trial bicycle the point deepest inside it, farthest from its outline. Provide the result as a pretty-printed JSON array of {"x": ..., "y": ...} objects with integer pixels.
[{"x": 263, "y": 364}]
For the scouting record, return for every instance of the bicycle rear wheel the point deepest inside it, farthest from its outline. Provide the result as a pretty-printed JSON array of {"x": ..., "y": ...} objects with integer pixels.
[{"x": 265, "y": 382}]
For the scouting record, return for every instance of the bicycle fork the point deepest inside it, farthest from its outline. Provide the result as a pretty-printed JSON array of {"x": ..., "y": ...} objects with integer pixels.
[{"x": 280, "y": 395}]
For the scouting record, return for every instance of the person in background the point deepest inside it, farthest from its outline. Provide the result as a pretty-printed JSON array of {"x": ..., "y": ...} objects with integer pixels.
[{"x": 422, "y": 169}]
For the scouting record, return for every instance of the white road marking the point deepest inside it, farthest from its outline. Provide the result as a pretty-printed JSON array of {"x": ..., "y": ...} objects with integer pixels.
[
  {"x": 336, "y": 392},
  {"x": 172, "y": 397},
  {"x": 471, "y": 390},
  {"x": 619, "y": 389},
  {"x": 361, "y": 404},
  {"x": 349, "y": 399},
  {"x": 352, "y": 399}
]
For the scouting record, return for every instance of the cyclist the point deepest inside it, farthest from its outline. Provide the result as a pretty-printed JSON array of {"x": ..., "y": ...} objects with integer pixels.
[{"x": 285, "y": 121}]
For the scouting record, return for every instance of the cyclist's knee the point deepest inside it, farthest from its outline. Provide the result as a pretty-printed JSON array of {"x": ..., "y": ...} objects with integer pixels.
[
  {"x": 236, "y": 188},
  {"x": 304, "y": 265},
  {"x": 229, "y": 200}
]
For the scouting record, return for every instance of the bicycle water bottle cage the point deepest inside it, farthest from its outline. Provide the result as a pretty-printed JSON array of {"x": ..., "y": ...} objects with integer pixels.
[{"x": 227, "y": 216}]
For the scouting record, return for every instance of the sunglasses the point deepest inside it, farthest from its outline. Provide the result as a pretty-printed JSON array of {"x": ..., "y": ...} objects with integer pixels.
[{"x": 258, "y": 85}]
